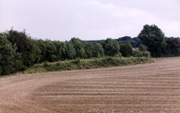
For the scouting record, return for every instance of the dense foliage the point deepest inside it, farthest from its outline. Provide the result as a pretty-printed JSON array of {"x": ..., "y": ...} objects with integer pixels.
[
  {"x": 19, "y": 51},
  {"x": 126, "y": 49},
  {"x": 111, "y": 47},
  {"x": 135, "y": 41},
  {"x": 7, "y": 54},
  {"x": 159, "y": 45},
  {"x": 173, "y": 47},
  {"x": 154, "y": 39}
]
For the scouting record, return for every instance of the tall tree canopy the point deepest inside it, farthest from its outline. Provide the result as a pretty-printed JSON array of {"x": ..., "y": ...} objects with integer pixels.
[
  {"x": 99, "y": 51},
  {"x": 79, "y": 47},
  {"x": 126, "y": 49},
  {"x": 111, "y": 47},
  {"x": 25, "y": 46},
  {"x": 173, "y": 47},
  {"x": 7, "y": 54},
  {"x": 154, "y": 39}
]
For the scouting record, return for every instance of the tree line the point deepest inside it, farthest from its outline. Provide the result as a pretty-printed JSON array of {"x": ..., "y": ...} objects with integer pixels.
[
  {"x": 135, "y": 41},
  {"x": 19, "y": 51}
]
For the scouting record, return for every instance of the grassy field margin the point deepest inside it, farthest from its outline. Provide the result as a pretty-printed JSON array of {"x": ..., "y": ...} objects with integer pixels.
[{"x": 86, "y": 64}]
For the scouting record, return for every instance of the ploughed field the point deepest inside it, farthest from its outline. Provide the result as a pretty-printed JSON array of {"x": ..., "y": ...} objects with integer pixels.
[{"x": 142, "y": 88}]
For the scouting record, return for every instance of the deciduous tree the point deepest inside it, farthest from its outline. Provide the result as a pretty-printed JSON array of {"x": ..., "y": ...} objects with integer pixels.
[
  {"x": 126, "y": 49},
  {"x": 7, "y": 53},
  {"x": 111, "y": 47},
  {"x": 153, "y": 38}
]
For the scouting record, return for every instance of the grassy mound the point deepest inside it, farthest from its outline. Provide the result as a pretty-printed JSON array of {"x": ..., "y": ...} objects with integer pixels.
[{"x": 86, "y": 64}]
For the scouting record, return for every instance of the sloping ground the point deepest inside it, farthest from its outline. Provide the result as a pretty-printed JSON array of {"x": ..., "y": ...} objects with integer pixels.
[{"x": 143, "y": 88}]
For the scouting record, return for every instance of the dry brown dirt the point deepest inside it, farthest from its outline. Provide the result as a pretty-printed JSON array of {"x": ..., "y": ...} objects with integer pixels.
[{"x": 142, "y": 88}]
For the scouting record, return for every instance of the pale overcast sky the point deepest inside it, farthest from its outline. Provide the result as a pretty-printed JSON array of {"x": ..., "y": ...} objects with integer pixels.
[{"x": 89, "y": 19}]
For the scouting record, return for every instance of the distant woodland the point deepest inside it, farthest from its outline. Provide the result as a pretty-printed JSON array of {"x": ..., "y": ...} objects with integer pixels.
[{"x": 19, "y": 51}]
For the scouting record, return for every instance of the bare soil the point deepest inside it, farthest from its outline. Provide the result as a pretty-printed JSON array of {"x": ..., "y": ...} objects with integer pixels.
[{"x": 142, "y": 88}]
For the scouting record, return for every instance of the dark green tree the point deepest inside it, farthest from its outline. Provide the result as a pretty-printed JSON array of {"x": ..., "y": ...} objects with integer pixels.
[
  {"x": 7, "y": 54},
  {"x": 79, "y": 47},
  {"x": 173, "y": 47},
  {"x": 89, "y": 48},
  {"x": 142, "y": 47},
  {"x": 82, "y": 53},
  {"x": 62, "y": 51},
  {"x": 99, "y": 51},
  {"x": 126, "y": 49},
  {"x": 37, "y": 51},
  {"x": 42, "y": 46},
  {"x": 153, "y": 38},
  {"x": 51, "y": 52},
  {"x": 25, "y": 46},
  {"x": 70, "y": 51},
  {"x": 111, "y": 47}
]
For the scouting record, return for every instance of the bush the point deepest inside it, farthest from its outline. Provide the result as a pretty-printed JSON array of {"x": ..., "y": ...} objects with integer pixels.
[
  {"x": 115, "y": 62},
  {"x": 126, "y": 49},
  {"x": 53, "y": 58},
  {"x": 46, "y": 64},
  {"x": 118, "y": 55},
  {"x": 77, "y": 61},
  {"x": 109, "y": 58},
  {"x": 146, "y": 53},
  {"x": 137, "y": 53},
  {"x": 58, "y": 64},
  {"x": 38, "y": 59},
  {"x": 142, "y": 47},
  {"x": 19, "y": 66},
  {"x": 5, "y": 70},
  {"x": 98, "y": 55}
]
